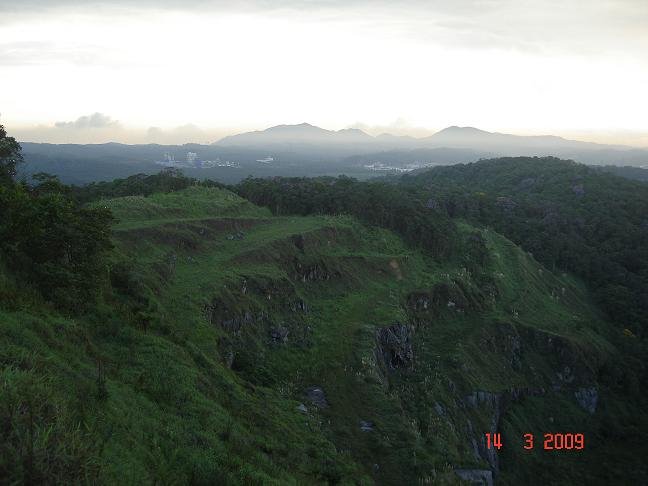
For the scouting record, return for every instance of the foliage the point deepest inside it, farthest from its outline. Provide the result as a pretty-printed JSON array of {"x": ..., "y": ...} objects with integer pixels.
[
  {"x": 567, "y": 215},
  {"x": 41, "y": 442},
  {"x": 375, "y": 203},
  {"x": 629, "y": 172},
  {"x": 10, "y": 157},
  {"x": 52, "y": 242},
  {"x": 167, "y": 180}
]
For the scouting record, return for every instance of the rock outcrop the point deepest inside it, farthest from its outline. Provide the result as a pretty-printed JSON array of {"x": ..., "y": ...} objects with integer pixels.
[
  {"x": 394, "y": 346},
  {"x": 476, "y": 476},
  {"x": 317, "y": 397}
]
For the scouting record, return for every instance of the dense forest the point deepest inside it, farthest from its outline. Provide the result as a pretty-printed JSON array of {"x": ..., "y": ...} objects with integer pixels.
[
  {"x": 167, "y": 180},
  {"x": 567, "y": 215},
  {"x": 632, "y": 173},
  {"x": 376, "y": 203}
]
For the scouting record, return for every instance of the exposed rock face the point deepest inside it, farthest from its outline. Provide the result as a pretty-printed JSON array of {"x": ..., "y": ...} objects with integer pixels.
[
  {"x": 495, "y": 406},
  {"x": 514, "y": 350},
  {"x": 571, "y": 373},
  {"x": 394, "y": 346},
  {"x": 476, "y": 476},
  {"x": 298, "y": 306},
  {"x": 366, "y": 426},
  {"x": 477, "y": 398},
  {"x": 317, "y": 397},
  {"x": 314, "y": 272},
  {"x": 279, "y": 335},
  {"x": 216, "y": 313},
  {"x": 439, "y": 409},
  {"x": 570, "y": 364},
  {"x": 587, "y": 398},
  {"x": 444, "y": 295},
  {"x": 493, "y": 403}
]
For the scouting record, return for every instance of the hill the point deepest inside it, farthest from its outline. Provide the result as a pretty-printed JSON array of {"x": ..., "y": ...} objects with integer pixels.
[
  {"x": 501, "y": 142},
  {"x": 568, "y": 215},
  {"x": 290, "y": 134},
  {"x": 632, "y": 173},
  {"x": 233, "y": 345}
]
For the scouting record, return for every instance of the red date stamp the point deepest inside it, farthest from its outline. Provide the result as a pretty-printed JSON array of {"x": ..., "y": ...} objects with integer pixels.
[{"x": 550, "y": 441}]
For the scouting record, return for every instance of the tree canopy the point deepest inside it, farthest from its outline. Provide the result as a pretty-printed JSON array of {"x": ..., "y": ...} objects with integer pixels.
[
  {"x": 47, "y": 237},
  {"x": 10, "y": 157}
]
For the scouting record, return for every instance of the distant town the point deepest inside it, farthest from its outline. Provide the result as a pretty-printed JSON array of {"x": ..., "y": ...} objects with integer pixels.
[
  {"x": 192, "y": 161},
  {"x": 379, "y": 166}
]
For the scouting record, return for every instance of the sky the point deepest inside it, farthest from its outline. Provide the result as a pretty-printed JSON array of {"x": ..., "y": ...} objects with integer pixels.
[{"x": 175, "y": 71}]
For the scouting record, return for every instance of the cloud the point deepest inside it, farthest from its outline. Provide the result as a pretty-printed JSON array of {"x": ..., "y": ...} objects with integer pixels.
[
  {"x": 534, "y": 25},
  {"x": 486, "y": 63},
  {"x": 96, "y": 120}
]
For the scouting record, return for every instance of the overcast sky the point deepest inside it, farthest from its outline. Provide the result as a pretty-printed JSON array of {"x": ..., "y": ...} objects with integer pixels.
[{"x": 195, "y": 70}]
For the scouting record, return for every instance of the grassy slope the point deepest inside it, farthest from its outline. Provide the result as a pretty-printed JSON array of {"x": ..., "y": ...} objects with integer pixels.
[{"x": 142, "y": 393}]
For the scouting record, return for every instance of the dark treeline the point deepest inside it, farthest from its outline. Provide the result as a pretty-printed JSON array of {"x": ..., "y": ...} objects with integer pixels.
[
  {"x": 629, "y": 172},
  {"x": 567, "y": 215},
  {"x": 375, "y": 203},
  {"x": 167, "y": 180}
]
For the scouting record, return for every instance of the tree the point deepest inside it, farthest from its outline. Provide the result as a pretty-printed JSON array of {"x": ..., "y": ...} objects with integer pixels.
[
  {"x": 10, "y": 157},
  {"x": 47, "y": 238}
]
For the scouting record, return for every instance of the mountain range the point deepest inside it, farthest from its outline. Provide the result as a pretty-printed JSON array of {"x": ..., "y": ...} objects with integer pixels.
[
  {"x": 307, "y": 150},
  {"x": 352, "y": 141}
]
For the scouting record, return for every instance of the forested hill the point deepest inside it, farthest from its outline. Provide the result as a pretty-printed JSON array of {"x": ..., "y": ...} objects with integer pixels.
[
  {"x": 633, "y": 173},
  {"x": 567, "y": 215}
]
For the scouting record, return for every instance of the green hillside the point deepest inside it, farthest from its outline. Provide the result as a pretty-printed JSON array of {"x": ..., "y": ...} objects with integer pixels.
[
  {"x": 568, "y": 215},
  {"x": 233, "y": 346}
]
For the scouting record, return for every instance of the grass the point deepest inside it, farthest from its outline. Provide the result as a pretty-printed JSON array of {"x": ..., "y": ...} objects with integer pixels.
[{"x": 157, "y": 403}]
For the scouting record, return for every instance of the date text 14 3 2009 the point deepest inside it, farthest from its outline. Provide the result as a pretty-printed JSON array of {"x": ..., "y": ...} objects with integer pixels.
[{"x": 551, "y": 441}]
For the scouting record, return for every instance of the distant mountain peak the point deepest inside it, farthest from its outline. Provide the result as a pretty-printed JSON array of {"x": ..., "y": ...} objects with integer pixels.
[
  {"x": 354, "y": 132},
  {"x": 353, "y": 141},
  {"x": 454, "y": 129},
  {"x": 300, "y": 126}
]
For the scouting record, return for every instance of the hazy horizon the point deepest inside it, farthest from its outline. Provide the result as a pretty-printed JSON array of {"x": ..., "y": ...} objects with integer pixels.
[
  {"x": 192, "y": 134},
  {"x": 199, "y": 70}
]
